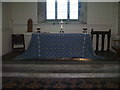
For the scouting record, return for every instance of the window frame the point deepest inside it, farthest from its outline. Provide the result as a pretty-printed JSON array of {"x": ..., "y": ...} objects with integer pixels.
[{"x": 68, "y": 13}]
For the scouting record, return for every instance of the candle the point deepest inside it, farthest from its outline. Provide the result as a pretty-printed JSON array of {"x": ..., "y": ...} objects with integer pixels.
[{"x": 61, "y": 26}]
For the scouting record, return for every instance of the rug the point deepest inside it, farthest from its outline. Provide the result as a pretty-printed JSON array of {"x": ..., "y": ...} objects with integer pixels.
[{"x": 60, "y": 83}]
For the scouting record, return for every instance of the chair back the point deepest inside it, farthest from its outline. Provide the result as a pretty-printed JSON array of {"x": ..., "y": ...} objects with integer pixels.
[
  {"x": 18, "y": 39},
  {"x": 102, "y": 33}
]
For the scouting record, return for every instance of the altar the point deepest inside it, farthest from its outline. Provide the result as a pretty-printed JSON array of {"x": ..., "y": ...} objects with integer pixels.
[{"x": 59, "y": 45}]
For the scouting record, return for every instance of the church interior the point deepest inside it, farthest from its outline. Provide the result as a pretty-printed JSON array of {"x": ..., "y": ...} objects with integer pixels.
[{"x": 59, "y": 44}]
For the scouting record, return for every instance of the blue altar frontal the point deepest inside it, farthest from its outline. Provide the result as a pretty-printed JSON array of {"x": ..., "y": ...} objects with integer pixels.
[{"x": 64, "y": 45}]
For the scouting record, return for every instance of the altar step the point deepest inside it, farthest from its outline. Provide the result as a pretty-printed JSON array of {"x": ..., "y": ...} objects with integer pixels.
[
  {"x": 60, "y": 71},
  {"x": 61, "y": 75}
]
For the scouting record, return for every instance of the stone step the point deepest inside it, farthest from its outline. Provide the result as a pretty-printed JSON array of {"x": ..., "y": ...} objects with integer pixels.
[
  {"x": 61, "y": 62},
  {"x": 60, "y": 70},
  {"x": 61, "y": 75},
  {"x": 86, "y": 68}
]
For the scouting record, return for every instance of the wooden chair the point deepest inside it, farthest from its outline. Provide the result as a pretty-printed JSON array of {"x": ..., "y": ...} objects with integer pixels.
[
  {"x": 116, "y": 46},
  {"x": 18, "y": 39},
  {"x": 103, "y": 33}
]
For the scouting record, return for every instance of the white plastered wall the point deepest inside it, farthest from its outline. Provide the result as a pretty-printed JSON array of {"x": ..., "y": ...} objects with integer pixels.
[
  {"x": 0, "y": 28},
  {"x": 0, "y": 45},
  {"x": 6, "y": 28},
  {"x": 100, "y": 16}
]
